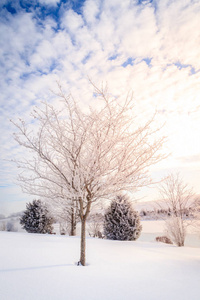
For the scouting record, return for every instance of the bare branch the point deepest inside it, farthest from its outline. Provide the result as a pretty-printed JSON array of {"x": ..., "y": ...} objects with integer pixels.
[{"x": 84, "y": 157}]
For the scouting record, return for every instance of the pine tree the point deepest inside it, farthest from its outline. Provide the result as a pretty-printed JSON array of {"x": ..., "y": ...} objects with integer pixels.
[
  {"x": 36, "y": 218},
  {"x": 121, "y": 221}
]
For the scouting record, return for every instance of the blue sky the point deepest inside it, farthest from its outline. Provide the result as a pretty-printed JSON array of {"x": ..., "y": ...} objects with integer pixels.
[{"x": 149, "y": 47}]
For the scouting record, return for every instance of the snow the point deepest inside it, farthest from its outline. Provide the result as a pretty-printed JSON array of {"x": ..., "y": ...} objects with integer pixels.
[{"x": 36, "y": 266}]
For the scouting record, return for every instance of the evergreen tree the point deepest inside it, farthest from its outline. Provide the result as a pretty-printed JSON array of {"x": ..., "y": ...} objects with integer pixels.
[
  {"x": 121, "y": 221},
  {"x": 36, "y": 218}
]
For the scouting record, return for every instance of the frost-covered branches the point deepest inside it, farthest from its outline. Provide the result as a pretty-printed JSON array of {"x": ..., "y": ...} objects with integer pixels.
[
  {"x": 65, "y": 211},
  {"x": 178, "y": 198},
  {"x": 87, "y": 156},
  {"x": 175, "y": 228},
  {"x": 176, "y": 195}
]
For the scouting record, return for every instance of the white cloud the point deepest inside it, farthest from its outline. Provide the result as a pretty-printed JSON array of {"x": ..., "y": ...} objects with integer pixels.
[
  {"x": 178, "y": 22},
  {"x": 96, "y": 44},
  {"x": 49, "y": 2},
  {"x": 91, "y": 9},
  {"x": 71, "y": 21}
]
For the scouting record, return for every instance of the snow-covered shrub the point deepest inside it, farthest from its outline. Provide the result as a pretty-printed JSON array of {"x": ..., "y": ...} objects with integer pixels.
[
  {"x": 179, "y": 199},
  {"x": 175, "y": 230},
  {"x": 95, "y": 229},
  {"x": 63, "y": 228},
  {"x": 2, "y": 226},
  {"x": 95, "y": 225},
  {"x": 36, "y": 218},
  {"x": 163, "y": 239},
  {"x": 10, "y": 226},
  {"x": 122, "y": 222}
]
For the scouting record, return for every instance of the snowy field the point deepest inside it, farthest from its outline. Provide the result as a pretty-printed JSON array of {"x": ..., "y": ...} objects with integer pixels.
[{"x": 42, "y": 267}]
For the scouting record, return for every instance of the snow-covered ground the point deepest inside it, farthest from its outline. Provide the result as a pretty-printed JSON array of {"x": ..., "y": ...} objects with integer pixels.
[{"x": 42, "y": 267}]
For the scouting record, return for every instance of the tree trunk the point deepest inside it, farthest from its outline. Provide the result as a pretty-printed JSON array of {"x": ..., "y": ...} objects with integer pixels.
[
  {"x": 73, "y": 229},
  {"x": 83, "y": 241},
  {"x": 83, "y": 217},
  {"x": 73, "y": 224}
]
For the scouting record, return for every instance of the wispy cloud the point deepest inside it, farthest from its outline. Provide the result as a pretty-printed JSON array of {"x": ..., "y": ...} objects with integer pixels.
[{"x": 149, "y": 47}]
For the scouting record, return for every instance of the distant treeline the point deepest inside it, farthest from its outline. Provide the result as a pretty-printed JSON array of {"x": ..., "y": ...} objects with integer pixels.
[{"x": 163, "y": 213}]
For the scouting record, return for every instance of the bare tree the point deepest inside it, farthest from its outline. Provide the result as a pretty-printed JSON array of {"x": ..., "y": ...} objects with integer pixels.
[
  {"x": 95, "y": 225},
  {"x": 88, "y": 156},
  {"x": 94, "y": 228},
  {"x": 65, "y": 211},
  {"x": 178, "y": 199}
]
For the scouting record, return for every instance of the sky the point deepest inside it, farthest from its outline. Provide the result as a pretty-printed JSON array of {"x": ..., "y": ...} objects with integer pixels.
[{"x": 149, "y": 47}]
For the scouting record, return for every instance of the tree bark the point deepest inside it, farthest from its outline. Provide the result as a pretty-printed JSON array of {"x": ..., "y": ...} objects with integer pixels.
[
  {"x": 73, "y": 229},
  {"x": 83, "y": 241},
  {"x": 73, "y": 224}
]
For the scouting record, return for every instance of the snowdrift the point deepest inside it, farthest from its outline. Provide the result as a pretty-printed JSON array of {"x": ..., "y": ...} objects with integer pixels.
[{"x": 41, "y": 267}]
